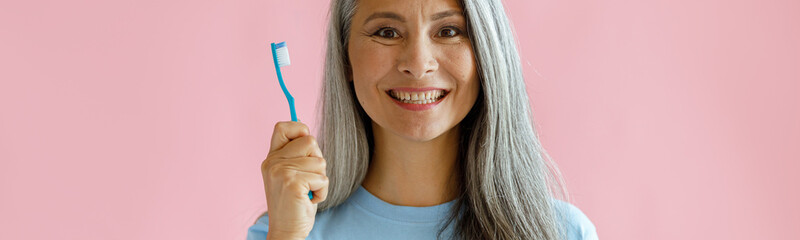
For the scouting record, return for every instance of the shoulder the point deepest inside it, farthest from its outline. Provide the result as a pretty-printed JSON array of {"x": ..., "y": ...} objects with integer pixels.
[
  {"x": 259, "y": 230},
  {"x": 576, "y": 224}
]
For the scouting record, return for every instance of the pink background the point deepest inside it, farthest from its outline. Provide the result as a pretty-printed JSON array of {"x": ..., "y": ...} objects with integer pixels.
[{"x": 149, "y": 119}]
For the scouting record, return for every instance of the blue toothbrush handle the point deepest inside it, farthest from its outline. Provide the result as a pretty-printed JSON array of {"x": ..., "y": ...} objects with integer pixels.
[
  {"x": 289, "y": 97},
  {"x": 294, "y": 119},
  {"x": 291, "y": 108}
]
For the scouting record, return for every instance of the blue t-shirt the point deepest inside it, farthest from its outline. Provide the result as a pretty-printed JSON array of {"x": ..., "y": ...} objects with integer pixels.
[{"x": 365, "y": 216}]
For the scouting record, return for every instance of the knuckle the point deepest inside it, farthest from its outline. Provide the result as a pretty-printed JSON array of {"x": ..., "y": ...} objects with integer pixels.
[
  {"x": 320, "y": 162},
  {"x": 294, "y": 183},
  {"x": 287, "y": 175},
  {"x": 325, "y": 179},
  {"x": 287, "y": 184},
  {"x": 273, "y": 172},
  {"x": 264, "y": 164},
  {"x": 280, "y": 126},
  {"x": 280, "y": 173},
  {"x": 311, "y": 140}
]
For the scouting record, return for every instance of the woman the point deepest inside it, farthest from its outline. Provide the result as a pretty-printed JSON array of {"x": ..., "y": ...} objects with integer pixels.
[{"x": 426, "y": 134}]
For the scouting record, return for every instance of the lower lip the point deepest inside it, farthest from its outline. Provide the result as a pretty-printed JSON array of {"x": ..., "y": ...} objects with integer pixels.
[{"x": 417, "y": 107}]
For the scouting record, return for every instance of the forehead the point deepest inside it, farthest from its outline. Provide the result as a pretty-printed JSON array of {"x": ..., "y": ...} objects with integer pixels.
[{"x": 407, "y": 9}]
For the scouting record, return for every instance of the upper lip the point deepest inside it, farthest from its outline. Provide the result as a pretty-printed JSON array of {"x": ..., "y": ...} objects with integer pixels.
[{"x": 413, "y": 89}]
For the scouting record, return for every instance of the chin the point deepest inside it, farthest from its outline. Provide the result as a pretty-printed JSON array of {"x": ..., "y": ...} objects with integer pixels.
[{"x": 419, "y": 132}]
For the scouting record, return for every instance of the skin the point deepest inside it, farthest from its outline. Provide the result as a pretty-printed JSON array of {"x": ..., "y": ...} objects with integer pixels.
[
  {"x": 415, "y": 151},
  {"x": 293, "y": 167}
]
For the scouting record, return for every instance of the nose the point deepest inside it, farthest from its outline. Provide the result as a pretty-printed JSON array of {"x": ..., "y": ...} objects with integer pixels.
[{"x": 418, "y": 60}]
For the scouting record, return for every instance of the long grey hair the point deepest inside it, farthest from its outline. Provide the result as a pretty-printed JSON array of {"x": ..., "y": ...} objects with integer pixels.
[{"x": 508, "y": 182}]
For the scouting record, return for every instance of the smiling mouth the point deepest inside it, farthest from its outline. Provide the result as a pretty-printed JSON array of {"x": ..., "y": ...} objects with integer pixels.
[{"x": 417, "y": 97}]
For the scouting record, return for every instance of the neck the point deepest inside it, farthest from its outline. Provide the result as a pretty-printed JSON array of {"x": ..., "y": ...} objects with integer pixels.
[{"x": 413, "y": 173}]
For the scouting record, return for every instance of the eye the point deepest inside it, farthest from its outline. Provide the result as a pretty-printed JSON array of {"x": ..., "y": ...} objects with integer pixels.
[
  {"x": 388, "y": 33},
  {"x": 449, "y": 32}
]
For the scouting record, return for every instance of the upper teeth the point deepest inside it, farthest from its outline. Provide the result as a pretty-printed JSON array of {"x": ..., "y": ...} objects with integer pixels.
[{"x": 417, "y": 97}]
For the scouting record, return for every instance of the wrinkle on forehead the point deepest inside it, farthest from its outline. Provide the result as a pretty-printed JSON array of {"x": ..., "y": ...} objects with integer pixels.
[{"x": 418, "y": 10}]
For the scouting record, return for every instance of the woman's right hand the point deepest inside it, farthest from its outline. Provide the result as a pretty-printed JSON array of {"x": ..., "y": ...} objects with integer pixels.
[{"x": 293, "y": 167}]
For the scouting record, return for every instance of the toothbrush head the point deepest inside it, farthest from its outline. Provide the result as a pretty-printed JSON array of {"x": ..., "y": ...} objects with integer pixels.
[{"x": 282, "y": 52}]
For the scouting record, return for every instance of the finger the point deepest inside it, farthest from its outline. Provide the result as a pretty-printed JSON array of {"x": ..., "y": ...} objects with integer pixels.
[
  {"x": 303, "y": 182},
  {"x": 318, "y": 184},
  {"x": 285, "y": 132},
  {"x": 305, "y": 146},
  {"x": 304, "y": 164}
]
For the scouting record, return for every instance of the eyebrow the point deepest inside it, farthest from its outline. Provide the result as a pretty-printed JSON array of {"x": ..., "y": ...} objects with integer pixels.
[{"x": 397, "y": 17}]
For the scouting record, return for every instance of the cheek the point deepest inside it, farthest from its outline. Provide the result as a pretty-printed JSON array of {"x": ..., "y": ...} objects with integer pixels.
[
  {"x": 464, "y": 69},
  {"x": 361, "y": 63},
  {"x": 369, "y": 63}
]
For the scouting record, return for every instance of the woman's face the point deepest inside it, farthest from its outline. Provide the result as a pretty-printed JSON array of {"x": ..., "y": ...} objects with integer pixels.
[{"x": 413, "y": 67}]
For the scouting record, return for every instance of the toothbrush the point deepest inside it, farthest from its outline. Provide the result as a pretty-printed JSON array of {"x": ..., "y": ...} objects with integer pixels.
[{"x": 280, "y": 55}]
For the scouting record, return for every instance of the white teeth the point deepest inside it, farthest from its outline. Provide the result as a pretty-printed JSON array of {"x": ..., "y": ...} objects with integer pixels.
[{"x": 418, "y": 97}]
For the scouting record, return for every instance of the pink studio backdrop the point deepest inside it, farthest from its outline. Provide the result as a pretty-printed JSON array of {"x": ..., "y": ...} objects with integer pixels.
[{"x": 149, "y": 119}]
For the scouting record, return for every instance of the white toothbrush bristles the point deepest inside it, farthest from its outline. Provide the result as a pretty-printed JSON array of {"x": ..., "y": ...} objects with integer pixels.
[{"x": 282, "y": 52}]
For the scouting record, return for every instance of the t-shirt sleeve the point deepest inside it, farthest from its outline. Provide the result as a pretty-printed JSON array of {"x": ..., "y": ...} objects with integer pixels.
[
  {"x": 576, "y": 224},
  {"x": 259, "y": 230}
]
